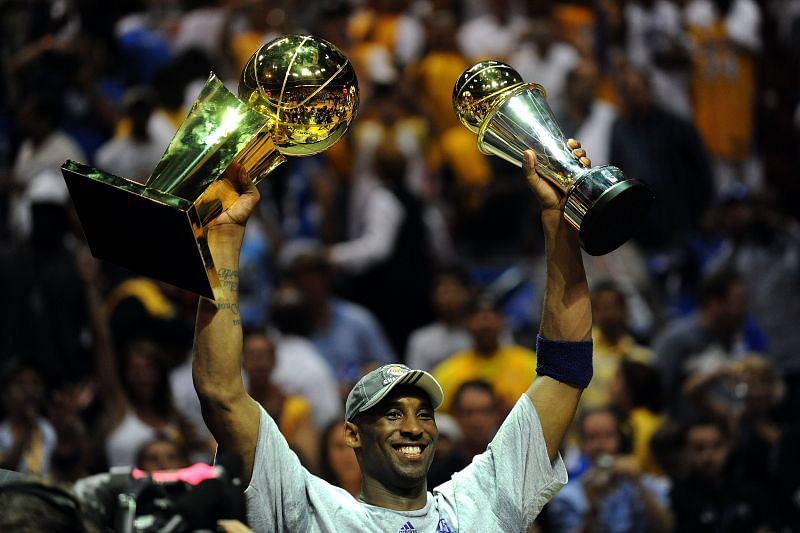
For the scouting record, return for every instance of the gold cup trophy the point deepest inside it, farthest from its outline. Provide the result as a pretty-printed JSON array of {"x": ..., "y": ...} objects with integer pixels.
[
  {"x": 510, "y": 116},
  {"x": 297, "y": 96}
]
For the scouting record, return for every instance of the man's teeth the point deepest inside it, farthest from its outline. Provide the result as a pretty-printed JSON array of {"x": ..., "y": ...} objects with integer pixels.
[{"x": 411, "y": 450}]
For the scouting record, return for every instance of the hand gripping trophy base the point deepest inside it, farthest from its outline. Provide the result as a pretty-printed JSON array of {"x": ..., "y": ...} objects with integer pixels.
[{"x": 606, "y": 208}]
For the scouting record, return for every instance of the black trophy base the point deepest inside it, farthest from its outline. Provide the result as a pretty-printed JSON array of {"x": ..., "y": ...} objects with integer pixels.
[
  {"x": 615, "y": 216},
  {"x": 147, "y": 231}
]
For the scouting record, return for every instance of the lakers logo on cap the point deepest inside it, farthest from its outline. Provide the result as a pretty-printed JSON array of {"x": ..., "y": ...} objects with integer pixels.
[{"x": 393, "y": 373}]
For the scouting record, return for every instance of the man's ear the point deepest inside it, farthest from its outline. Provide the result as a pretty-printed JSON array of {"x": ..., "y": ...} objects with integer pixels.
[{"x": 352, "y": 437}]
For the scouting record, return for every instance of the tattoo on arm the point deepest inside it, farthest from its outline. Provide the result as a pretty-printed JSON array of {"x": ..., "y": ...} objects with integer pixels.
[{"x": 230, "y": 280}]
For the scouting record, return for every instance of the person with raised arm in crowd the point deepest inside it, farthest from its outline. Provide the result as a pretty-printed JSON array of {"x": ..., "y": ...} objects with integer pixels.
[{"x": 389, "y": 414}]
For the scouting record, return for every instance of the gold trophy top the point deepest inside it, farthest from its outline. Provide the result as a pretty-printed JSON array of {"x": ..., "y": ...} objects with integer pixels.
[
  {"x": 480, "y": 88},
  {"x": 306, "y": 87}
]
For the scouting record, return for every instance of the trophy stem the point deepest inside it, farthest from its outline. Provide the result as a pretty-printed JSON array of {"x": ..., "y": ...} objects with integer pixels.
[
  {"x": 217, "y": 129},
  {"x": 521, "y": 121}
]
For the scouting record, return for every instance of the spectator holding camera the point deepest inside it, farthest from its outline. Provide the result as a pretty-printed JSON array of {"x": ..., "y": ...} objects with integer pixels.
[{"x": 612, "y": 495}]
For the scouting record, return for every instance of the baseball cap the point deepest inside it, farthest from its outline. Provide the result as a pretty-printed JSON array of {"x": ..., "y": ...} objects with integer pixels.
[{"x": 374, "y": 386}]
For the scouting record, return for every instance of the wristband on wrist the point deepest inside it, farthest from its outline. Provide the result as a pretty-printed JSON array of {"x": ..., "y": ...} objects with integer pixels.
[{"x": 569, "y": 362}]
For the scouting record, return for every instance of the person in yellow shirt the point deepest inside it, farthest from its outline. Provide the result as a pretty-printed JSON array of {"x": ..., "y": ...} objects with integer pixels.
[
  {"x": 612, "y": 343},
  {"x": 636, "y": 394},
  {"x": 291, "y": 412},
  {"x": 508, "y": 368}
]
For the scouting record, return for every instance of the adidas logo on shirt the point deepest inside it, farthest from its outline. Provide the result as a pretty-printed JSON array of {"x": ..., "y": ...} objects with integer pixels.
[{"x": 408, "y": 527}]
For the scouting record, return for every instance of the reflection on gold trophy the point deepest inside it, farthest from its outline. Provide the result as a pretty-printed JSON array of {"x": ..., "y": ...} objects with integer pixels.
[
  {"x": 297, "y": 97},
  {"x": 511, "y": 116}
]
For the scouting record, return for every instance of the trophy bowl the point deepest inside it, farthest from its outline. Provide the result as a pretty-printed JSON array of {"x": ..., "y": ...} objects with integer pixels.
[{"x": 510, "y": 116}]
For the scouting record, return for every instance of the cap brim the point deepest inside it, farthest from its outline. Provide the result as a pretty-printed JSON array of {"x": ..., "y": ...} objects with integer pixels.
[{"x": 414, "y": 378}]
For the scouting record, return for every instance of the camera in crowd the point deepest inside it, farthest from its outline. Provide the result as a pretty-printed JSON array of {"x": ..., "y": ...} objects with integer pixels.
[{"x": 127, "y": 500}]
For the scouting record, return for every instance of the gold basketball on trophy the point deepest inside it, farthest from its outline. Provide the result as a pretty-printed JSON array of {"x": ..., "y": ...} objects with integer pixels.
[
  {"x": 479, "y": 88},
  {"x": 306, "y": 88}
]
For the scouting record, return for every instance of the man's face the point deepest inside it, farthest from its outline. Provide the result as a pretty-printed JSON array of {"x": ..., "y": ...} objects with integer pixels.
[
  {"x": 258, "y": 358},
  {"x": 161, "y": 455},
  {"x": 609, "y": 312},
  {"x": 600, "y": 435},
  {"x": 485, "y": 326},
  {"x": 395, "y": 440},
  {"x": 706, "y": 450},
  {"x": 478, "y": 416},
  {"x": 450, "y": 296}
]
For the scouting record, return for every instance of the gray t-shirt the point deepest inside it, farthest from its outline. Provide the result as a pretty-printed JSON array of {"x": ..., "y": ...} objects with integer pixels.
[{"x": 503, "y": 489}]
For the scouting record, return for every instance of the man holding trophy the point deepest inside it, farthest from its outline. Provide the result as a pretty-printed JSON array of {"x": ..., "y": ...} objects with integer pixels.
[{"x": 389, "y": 413}]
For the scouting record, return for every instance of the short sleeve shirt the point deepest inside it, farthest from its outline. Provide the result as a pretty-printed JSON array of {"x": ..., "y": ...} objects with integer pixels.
[{"x": 503, "y": 489}]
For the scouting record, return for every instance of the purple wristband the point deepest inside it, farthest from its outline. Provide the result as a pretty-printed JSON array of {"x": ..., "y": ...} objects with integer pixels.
[{"x": 566, "y": 361}]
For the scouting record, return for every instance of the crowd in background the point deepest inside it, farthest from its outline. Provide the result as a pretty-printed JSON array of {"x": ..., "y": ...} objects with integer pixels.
[{"x": 404, "y": 243}]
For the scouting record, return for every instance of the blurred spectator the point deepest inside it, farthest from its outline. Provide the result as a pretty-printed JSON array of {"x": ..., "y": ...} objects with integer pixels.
[
  {"x": 636, "y": 395},
  {"x": 447, "y": 454},
  {"x": 717, "y": 334},
  {"x": 584, "y": 116},
  {"x": 388, "y": 256},
  {"x": 766, "y": 449},
  {"x": 300, "y": 368},
  {"x": 291, "y": 412},
  {"x": 433, "y": 77},
  {"x": 202, "y": 27},
  {"x": 134, "y": 385},
  {"x": 44, "y": 149},
  {"x": 136, "y": 154},
  {"x": 386, "y": 25},
  {"x": 657, "y": 40},
  {"x": 262, "y": 23},
  {"x": 430, "y": 345},
  {"x": 763, "y": 243},
  {"x": 612, "y": 495},
  {"x": 725, "y": 39},
  {"x": 143, "y": 47},
  {"x": 27, "y": 439},
  {"x": 477, "y": 412},
  {"x": 346, "y": 334},
  {"x": 494, "y": 33},
  {"x": 37, "y": 507},
  {"x": 138, "y": 404},
  {"x": 710, "y": 498},
  {"x": 508, "y": 367},
  {"x": 666, "y": 153},
  {"x": 543, "y": 57},
  {"x": 161, "y": 454},
  {"x": 41, "y": 277},
  {"x": 338, "y": 464},
  {"x": 613, "y": 344}
]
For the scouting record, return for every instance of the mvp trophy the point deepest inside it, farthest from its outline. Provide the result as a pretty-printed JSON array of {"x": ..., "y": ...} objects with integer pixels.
[
  {"x": 511, "y": 116},
  {"x": 297, "y": 96}
]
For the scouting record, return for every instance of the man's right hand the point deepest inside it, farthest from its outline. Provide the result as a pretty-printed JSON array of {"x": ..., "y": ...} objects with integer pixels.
[{"x": 238, "y": 213}]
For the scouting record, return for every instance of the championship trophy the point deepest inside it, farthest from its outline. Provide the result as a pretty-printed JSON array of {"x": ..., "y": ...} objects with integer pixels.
[
  {"x": 296, "y": 97},
  {"x": 511, "y": 116}
]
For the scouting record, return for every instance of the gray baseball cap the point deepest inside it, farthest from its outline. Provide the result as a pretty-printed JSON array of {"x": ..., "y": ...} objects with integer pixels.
[{"x": 374, "y": 386}]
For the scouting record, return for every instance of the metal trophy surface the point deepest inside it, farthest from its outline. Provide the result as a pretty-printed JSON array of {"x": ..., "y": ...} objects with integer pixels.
[
  {"x": 511, "y": 116},
  {"x": 297, "y": 97}
]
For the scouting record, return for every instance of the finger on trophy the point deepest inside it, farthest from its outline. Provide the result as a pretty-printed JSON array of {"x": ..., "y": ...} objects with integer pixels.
[{"x": 579, "y": 153}]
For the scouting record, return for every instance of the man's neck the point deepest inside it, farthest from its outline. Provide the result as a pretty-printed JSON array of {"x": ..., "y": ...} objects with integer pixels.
[{"x": 375, "y": 493}]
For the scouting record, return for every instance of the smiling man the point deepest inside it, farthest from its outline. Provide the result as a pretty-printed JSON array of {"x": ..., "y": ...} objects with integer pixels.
[{"x": 390, "y": 412}]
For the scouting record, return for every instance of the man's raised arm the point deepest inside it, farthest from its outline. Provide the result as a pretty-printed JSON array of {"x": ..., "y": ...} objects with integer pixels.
[
  {"x": 566, "y": 318},
  {"x": 229, "y": 412}
]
